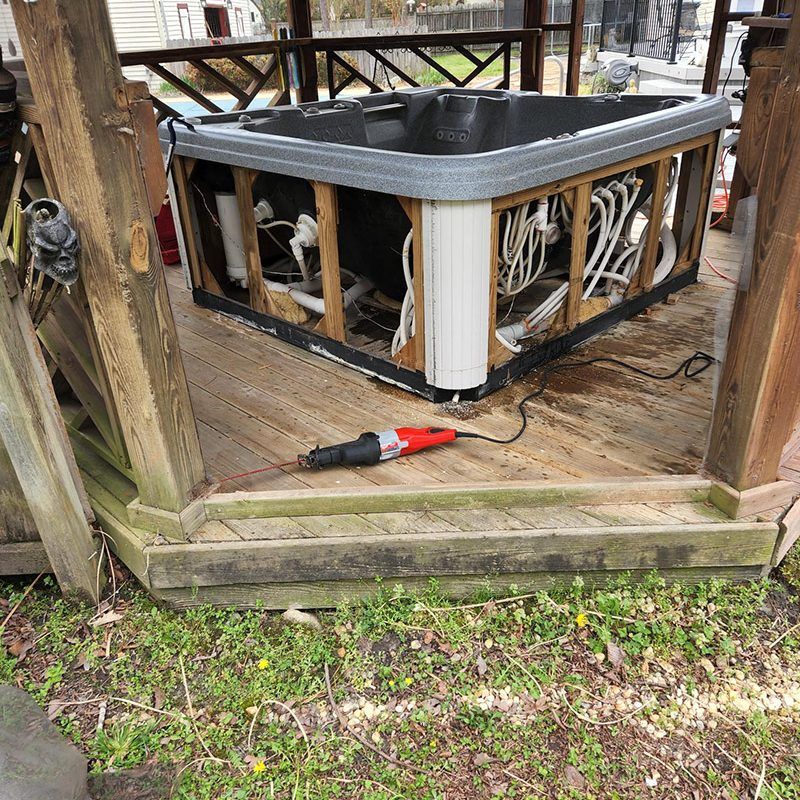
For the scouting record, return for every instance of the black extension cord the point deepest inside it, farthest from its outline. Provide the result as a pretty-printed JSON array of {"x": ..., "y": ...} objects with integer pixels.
[{"x": 688, "y": 367}]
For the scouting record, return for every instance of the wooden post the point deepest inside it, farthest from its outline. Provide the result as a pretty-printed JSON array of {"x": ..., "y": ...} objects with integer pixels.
[
  {"x": 534, "y": 15},
  {"x": 576, "y": 15},
  {"x": 299, "y": 14},
  {"x": 73, "y": 67},
  {"x": 757, "y": 397},
  {"x": 32, "y": 430},
  {"x": 716, "y": 46}
]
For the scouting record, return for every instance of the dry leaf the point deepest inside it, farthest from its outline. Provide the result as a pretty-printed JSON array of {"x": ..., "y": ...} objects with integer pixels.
[
  {"x": 19, "y": 648},
  {"x": 481, "y": 759},
  {"x": 158, "y": 698},
  {"x": 109, "y": 618},
  {"x": 616, "y": 655},
  {"x": 428, "y": 638},
  {"x": 573, "y": 777},
  {"x": 483, "y": 667}
]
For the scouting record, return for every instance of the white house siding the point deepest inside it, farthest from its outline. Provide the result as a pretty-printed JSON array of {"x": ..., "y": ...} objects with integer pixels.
[
  {"x": 191, "y": 16},
  {"x": 136, "y": 26},
  {"x": 9, "y": 40}
]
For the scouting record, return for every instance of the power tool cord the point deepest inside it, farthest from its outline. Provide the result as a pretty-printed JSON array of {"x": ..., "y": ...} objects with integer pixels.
[{"x": 688, "y": 367}]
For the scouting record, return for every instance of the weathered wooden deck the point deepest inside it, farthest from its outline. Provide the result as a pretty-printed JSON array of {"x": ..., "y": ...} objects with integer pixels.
[
  {"x": 586, "y": 491},
  {"x": 260, "y": 401}
]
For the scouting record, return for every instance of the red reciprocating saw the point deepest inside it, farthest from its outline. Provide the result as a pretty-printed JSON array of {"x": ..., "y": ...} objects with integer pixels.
[{"x": 371, "y": 448}]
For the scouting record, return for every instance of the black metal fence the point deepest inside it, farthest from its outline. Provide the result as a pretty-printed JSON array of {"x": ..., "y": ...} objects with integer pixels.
[{"x": 652, "y": 28}]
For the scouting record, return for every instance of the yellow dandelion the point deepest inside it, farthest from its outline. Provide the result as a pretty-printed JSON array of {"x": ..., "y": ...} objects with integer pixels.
[
  {"x": 263, "y": 664},
  {"x": 581, "y": 620},
  {"x": 408, "y": 681},
  {"x": 434, "y": 744},
  {"x": 391, "y": 682},
  {"x": 259, "y": 766}
]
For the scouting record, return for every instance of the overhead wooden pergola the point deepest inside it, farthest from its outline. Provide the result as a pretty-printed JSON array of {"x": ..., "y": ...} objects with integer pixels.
[{"x": 83, "y": 127}]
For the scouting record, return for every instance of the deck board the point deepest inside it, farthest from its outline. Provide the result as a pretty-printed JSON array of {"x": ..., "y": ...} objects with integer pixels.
[{"x": 261, "y": 401}]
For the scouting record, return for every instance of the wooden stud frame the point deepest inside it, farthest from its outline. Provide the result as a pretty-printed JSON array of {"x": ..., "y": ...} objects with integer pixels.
[
  {"x": 576, "y": 189},
  {"x": 577, "y": 192}
]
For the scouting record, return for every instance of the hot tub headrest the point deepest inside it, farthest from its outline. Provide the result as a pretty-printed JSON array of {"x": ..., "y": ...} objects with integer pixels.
[
  {"x": 335, "y": 121},
  {"x": 462, "y": 124}
]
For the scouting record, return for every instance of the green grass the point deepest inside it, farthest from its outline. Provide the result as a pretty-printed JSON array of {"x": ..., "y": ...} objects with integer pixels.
[
  {"x": 493, "y": 700},
  {"x": 460, "y": 66}
]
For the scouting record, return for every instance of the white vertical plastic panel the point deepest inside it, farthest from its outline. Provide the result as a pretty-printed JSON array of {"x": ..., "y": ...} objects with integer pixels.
[{"x": 456, "y": 239}]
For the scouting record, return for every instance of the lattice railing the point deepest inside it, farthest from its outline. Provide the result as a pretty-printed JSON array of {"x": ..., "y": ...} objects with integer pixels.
[{"x": 293, "y": 63}]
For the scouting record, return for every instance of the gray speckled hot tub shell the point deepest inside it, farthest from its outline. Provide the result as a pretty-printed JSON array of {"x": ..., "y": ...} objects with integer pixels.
[{"x": 598, "y": 130}]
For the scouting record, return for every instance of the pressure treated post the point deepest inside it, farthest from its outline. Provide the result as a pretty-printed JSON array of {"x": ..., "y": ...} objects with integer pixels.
[
  {"x": 757, "y": 397},
  {"x": 32, "y": 430},
  {"x": 77, "y": 84}
]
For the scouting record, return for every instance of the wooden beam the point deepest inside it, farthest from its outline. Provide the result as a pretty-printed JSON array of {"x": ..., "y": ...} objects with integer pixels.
[
  {"x": 493, "y": 552},
  {"x": 254, "y": 505},
  {"x": 32, "y": 430},
  {"x": 328, "y": 225},
  {"x": 330, "y": 594},
  {"x": 754, "y": 413},
  {"x": 23, "y": 558},
  {"x": 80, "y": 93}
]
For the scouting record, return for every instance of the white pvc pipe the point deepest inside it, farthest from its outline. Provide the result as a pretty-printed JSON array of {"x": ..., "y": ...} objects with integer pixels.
[
  {"x": 232, "y": 241},
  {"x": 317, "y": 304}
]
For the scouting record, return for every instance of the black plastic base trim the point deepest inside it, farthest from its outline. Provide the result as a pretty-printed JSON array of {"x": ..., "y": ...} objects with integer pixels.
[{"x": 415, "y": 381}]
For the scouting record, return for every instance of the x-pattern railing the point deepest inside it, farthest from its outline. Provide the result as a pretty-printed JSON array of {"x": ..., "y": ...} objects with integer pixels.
[{"x": 279, "y": 52}]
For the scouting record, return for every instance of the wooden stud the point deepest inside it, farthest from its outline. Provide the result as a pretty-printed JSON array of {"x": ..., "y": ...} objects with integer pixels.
[
  {"x": 181, "y": 174},
  {"x": 259, "y": 297},
  {"x": 413, "y": 354},
  {"x": 70, "y": 53},
  {"x": 581, "y": 209},
  {"x": 418, "y": 262},
  {"x": 32, "y": 430},
  {"x": 709, "y": 169},
  {"x": 756, "y": 405},
  {"x": 644, "y": 279},
  {"x": 328, "y": 227}
]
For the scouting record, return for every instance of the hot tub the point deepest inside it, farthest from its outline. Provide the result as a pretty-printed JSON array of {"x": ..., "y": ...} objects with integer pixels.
[{"x": 473, "y": 173}]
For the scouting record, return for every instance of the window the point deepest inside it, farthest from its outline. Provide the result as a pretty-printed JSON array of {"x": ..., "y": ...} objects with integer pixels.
[
  {"x": 217, "y": 25},
  {"x": 239, "y": 22},
  {"x": 185, "y": 21}
]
